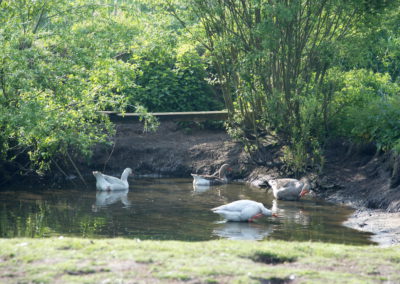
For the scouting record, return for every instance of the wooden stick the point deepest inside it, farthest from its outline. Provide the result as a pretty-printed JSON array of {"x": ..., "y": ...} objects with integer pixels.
[{"x": 76, "y": 169}]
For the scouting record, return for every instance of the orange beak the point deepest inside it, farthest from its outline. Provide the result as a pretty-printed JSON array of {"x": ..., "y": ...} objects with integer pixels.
[
  {"x": 275, "y": 215},
  {"x": 304, "y": 192}
]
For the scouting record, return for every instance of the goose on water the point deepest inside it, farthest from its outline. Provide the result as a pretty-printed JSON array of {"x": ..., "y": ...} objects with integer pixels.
[
  {"x": 289, "y": 188},
  {"x": 215, "y": 179},
  {"x": 106, "y": 182},
  {"x": 243, "y": 210}
]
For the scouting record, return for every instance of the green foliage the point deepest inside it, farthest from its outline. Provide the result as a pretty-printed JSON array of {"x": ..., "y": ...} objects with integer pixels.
[
  {"x": 272, "y": 59},
  {"x": 375, "y": 45},
  {"x": 378, "y": 122},
  {"x": 150, "y": 121},
  {"x": 171, "y": 78},
  {"x": 47, "y": 108},
  {"x": 365, "y": 108},
  {"x": 63, "y": 61},
  {"x": 279, "y": 66},
  {"x": 358, "y": 87}
]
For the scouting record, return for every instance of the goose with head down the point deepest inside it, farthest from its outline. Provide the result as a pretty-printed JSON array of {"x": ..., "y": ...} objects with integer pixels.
[
  {"x": 106, "y": 182},
  {"x": 289, "y": 188},
  {"x": 217, "y": 178},
  {"x": 243, "y": 210}
]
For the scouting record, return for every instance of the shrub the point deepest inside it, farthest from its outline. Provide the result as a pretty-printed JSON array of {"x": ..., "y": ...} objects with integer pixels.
[
  {"x": 171, "y": 79},
  {"x": 366, "y": 108}
]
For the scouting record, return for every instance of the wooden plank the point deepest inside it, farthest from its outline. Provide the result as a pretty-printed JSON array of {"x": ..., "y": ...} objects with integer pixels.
[{"x": 170, "y": 116}]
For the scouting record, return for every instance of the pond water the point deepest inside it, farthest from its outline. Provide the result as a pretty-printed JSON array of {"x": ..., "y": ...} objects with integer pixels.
[{"x": 167, "y": 209}]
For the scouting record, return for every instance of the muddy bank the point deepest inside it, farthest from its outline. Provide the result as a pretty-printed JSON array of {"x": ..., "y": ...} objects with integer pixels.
[
  {"x": 367, "y": 181},
  {"x": 174, "y": 150},
  {"x": 362, "y": 179},
  {"x": 355, "y": 177},
  {"x": 385, "y": 225}
]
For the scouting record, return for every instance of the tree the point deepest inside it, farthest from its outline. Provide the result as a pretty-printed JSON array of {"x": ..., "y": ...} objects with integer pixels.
[
  {"x": 62, "y": 61},
  {"x": 272, "y": 58},
  {"x": 48, "y": 106}
]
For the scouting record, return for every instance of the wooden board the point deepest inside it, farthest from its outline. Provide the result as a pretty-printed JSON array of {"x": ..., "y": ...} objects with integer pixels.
[{"x": 171, "y": 116}]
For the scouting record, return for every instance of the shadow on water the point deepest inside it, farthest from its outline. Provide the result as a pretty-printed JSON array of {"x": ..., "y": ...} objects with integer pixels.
[{"x": 167, "y": 209}]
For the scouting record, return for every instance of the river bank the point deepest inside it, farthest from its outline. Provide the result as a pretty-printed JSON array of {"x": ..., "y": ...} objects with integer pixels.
[
  {"x": 357, "y": 178},
  {"x": 362, "y": 181}
]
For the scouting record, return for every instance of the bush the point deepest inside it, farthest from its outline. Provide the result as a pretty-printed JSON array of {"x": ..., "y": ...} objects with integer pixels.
[
  {"x": 366, "y": 108},
  {"x": 378, "y": 122},
  {"x": 171, "y": 79}
]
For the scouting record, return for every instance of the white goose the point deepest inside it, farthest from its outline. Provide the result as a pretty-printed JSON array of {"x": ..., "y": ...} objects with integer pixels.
[
  {"x": 243, "y": 210},
  {"x": 289, "y": 188},
  {"x": 215, "y": 179},
  {"x": 105, "y": 182}
]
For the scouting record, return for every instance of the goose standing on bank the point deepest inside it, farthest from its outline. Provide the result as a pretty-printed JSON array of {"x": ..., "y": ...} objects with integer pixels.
[
  {"x": 289, "y": 188},
  {"x": 243, "y": 210},
  {"x": 105, "y": 182},
  {"x": 215, "y": 179}
]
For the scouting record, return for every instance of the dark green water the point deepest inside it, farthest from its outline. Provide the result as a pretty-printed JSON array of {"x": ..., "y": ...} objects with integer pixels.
[{"x": 166, "y": 209}]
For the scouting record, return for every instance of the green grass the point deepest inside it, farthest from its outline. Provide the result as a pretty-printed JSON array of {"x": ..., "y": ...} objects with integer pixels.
[{"x": 75, "y": 260}]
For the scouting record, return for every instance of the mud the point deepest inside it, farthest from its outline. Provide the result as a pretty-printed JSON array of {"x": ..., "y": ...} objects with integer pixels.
[
  {"x": 384, "y": 225},
  {"x": 174, "y": 150}
]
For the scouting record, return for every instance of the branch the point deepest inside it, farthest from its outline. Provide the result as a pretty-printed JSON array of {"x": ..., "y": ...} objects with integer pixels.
[
  {"x": 74, "y": 8},
  {"x": 3, "y": 81},
  {"x": 174, "y": 14},
  {"x": 61, "y": 170},
  {"x": 76, "y": 169},
  {"x": 112, "y": 150},
  {"x": 40, "y": 18}
]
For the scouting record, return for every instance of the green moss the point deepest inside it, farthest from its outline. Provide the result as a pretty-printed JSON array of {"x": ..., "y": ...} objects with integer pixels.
[{"x": 74, "y": 260}]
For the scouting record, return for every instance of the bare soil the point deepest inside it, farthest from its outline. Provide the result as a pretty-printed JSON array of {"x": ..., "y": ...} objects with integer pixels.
[
  {"x": 173, "y": 150},
  {"x": 366, "y": 181},
  {"x": 357, "y": 177}
]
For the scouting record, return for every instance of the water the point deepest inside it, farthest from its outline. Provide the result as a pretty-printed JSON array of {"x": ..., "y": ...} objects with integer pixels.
[{"x": 167, "y": 209}]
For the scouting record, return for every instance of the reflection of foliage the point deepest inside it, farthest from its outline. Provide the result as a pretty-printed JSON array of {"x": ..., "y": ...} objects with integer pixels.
[
  {"x": 89, "y": 225},
  {"x": 43, "y": 219},
  {"x": 31, "y": 224}
]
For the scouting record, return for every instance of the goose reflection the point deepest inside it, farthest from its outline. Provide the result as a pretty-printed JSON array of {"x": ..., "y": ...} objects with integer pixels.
[
  {"x": 291, "y": 213},
  {"x": 200, "y": 188},
  {"x": 243, "y": 231},
  {"x": 214, "y": 190},
  {"x": 106, "y": 198}
]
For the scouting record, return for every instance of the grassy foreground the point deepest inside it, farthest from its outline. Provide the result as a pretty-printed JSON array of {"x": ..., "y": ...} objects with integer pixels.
[{"x": 76, "y": 260}]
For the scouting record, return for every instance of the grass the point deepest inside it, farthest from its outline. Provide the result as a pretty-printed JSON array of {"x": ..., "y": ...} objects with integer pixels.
[{"x": 76, "y": 260}]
